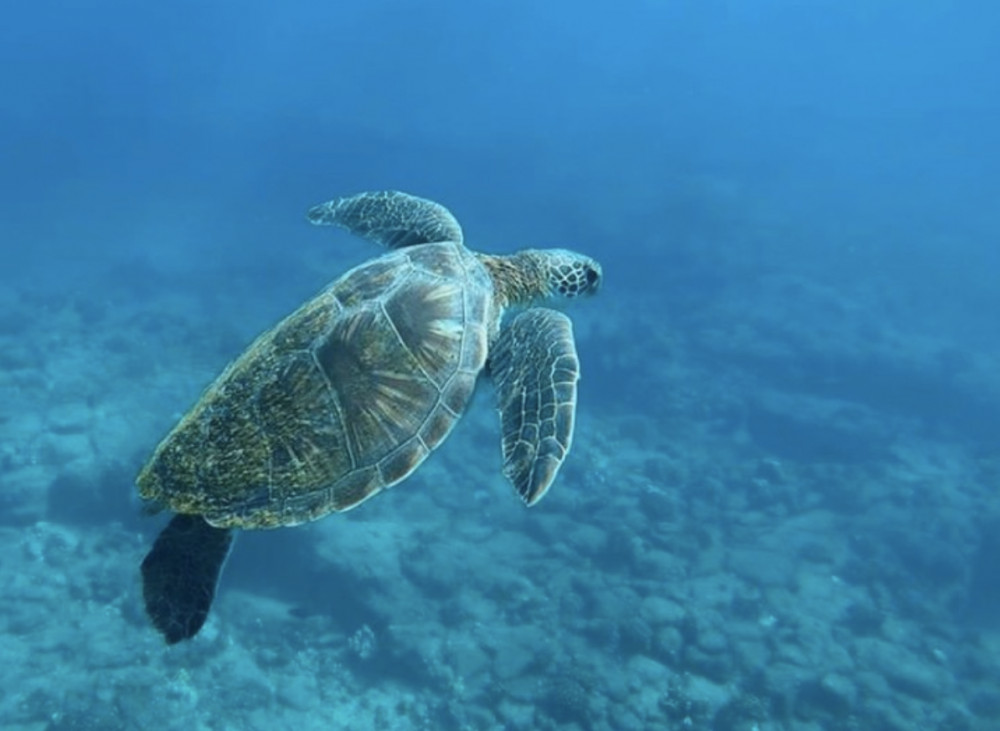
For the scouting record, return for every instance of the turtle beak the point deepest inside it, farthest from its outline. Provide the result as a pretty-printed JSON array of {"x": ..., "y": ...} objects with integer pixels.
[{"x": 594, "y": 277}]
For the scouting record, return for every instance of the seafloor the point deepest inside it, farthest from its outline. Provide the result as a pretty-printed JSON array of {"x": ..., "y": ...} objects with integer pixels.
[{"x": 780, "y": 513}]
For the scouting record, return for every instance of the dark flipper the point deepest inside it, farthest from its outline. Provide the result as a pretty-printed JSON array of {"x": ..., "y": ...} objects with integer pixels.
[
  {"x": 180, "y": 573},
  {"x": 390, "y": 218},
  {"x": 535, "y": 368}
]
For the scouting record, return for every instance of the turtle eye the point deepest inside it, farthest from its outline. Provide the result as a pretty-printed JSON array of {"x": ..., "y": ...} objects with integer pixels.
[{"x": 592, "y": 276}]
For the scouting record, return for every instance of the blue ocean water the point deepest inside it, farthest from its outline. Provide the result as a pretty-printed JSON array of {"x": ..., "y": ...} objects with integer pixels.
[{"x": 780, "y": 509}]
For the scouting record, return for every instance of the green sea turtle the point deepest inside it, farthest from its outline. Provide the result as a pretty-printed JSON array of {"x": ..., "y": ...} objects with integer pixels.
[{"x": 352, "y": 391}]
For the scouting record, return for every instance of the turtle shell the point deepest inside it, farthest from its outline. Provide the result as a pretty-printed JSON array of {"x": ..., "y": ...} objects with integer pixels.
[{"x": 346, "y": 396}]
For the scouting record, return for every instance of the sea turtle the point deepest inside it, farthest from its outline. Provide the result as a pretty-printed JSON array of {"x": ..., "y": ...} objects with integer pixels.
[{"x": 352, "y": 391}]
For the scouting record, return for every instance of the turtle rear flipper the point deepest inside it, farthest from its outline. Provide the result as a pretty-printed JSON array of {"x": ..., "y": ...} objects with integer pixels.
[
  {"x": 535, "y": 369},
  {"x": 180, "y": 573}
]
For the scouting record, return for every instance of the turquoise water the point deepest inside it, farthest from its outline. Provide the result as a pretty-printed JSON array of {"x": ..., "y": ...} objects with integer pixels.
[{"x": 780, "y": 509}]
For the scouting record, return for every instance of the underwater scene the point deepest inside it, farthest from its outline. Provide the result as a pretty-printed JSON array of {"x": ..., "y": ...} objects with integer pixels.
[{"x": 500, "y": 365}]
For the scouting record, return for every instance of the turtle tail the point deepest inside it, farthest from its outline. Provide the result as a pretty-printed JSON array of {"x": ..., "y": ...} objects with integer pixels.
[{"x": 180, "y": 573}]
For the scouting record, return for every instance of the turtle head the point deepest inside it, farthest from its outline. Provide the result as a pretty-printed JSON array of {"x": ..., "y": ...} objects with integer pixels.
[
  {"x": 533, "y": 274},
  {"x": 568, "y": 273}
]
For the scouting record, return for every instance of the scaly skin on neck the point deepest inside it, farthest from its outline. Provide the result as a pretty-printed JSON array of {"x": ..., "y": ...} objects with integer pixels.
[{"x": 518, "y": 279}]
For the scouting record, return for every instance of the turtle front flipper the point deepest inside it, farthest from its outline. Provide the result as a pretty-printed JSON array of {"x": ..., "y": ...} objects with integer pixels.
[
  {"x": 535, "y": 369},
  {"x": 390, "y": 218},
  {"x": 180, "y": 573}
]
